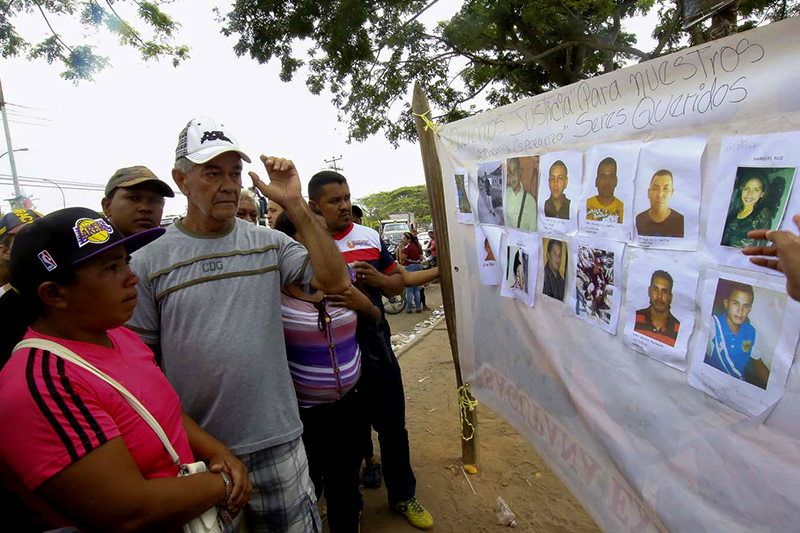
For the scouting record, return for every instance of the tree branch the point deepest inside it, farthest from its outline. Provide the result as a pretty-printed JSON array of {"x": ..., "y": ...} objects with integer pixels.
[
  {"x": 133, "y": 32},
  {"x": 474, "y": 94},
  {"x": 669, "y": 31},
  {"x": 415, "y": 17},
  {"x": 58, "y": 38}
]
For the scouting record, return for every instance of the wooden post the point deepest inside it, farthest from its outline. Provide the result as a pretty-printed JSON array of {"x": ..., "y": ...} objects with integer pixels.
[{"x": 433, "y": 180}]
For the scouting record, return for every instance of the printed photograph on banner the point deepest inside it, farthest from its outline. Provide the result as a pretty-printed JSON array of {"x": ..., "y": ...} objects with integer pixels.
[
  {"x": 756, "y": 175},
  {"x": 758, "y": 201},
  {"x": 750, "y": 334},
  {"x": 608, "y": 190},
  {"x": 490, "y": 193},
  {"x": 522, "y": 181},
  {"x": 519, "y": 256},
  {"x": 555, "y": 256},
  {"x": 595, "y": 295},
  {"x": 660, "y": 306},
  {"x": 560, "y": 191},
  {"x": 487, "y": 244},
  {"x": 668, "y": 193},
  {"x": 464, "y": 209},
  {"x": 732, "y": 346}
]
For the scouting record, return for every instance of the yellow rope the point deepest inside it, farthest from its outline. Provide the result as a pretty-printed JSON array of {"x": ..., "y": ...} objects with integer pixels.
[
  {"x": 428, "y": 123},
  {"x": 465, "y": 404}
]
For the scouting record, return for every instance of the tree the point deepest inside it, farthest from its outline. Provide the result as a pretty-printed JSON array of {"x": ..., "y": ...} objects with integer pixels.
[
  {"x": 380, "y": 205},
  {"x": 79, "y": 60},
  {"x": 368, "y": 53}
]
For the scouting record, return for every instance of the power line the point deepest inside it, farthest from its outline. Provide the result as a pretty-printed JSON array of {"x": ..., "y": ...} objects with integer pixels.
[
  {"x": 28, "y": 107},
  {"x": 46, "y": 183},
  {"x": 60, "y": 182}
]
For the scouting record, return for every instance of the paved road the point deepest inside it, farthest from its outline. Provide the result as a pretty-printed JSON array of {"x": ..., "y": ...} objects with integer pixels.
[{"x": 404, "y": 323}]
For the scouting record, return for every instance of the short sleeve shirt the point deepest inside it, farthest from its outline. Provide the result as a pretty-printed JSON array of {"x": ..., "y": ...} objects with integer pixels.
[
  {"x": 612, "y": 212},
  {"x": 667, "y": 335},
  {"x": 728, "y": 351},
  {"x": 60, "y": 412},
  {"x": 412, "y": 254},
  {"x": 359, "y": 243},
  {"x": 212, "y": 303}
]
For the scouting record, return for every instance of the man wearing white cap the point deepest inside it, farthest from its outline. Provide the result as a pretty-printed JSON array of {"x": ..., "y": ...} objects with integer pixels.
[{"x": 220, "y": 345}]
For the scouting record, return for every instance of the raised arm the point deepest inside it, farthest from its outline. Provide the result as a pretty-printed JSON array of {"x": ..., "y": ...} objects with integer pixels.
[
  {"x": 420, "y": 277},
  {"x": 284, "y": 188}
]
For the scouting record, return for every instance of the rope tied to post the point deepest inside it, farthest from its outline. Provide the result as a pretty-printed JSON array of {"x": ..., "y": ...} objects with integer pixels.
[
  {"x": 428, "y": 122},
  {"x": 466, "y": 404}
]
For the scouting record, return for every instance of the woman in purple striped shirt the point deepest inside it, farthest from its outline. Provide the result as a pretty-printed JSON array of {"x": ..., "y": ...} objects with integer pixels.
[{"x": 325, "y": 363}]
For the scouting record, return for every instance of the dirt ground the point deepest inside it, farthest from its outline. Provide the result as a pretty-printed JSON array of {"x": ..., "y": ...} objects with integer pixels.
[{"x": 508, "y": 467}]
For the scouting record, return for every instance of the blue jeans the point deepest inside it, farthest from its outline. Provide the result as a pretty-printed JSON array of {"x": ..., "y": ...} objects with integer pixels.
[{"x": 413, "y": 291}]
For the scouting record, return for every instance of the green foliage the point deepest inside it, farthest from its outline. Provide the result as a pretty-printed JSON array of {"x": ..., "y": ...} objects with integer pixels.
[
  {"x": 80, "y": 60},
  {"x": 380, "y": 205},
  {"x": 368, "y": 54}
]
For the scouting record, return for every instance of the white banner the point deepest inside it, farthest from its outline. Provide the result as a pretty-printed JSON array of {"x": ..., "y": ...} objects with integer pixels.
[{"x": 634, "y": 442}]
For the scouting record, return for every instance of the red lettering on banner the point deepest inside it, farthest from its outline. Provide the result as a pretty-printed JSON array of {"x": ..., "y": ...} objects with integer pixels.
[
  {"x": 552, "y": 430},
  {"x": 543, "y": 425},
  {"x": 621, "y": 500},
  {"x": 590, "y": 466},
  {"x": 618, "y": 504},
  {"x": 488, "y": 378},
  {"x": 570, "y": 453},
  {"x": 538, "y": 427}
]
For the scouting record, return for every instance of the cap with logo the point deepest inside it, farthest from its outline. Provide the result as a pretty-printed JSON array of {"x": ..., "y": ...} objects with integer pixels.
[
  {"x": 203, "y": 139},
  {"x": 130, "y": 176},
  {"x": 58, "y": 242},
  {"x": 12, "y": 222}
]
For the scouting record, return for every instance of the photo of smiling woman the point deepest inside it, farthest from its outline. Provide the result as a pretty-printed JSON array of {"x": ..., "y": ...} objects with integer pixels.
[{"x": 758, "y": 202}]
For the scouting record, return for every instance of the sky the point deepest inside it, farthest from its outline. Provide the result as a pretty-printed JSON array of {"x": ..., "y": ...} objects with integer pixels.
[{"x": 132, "y": 112}]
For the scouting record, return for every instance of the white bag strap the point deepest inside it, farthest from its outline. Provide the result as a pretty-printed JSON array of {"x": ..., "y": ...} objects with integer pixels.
[{"x": 68, "y": 355}]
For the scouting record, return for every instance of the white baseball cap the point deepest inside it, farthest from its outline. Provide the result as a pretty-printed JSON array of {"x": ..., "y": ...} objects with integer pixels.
[{"x": 203, "y": 139}]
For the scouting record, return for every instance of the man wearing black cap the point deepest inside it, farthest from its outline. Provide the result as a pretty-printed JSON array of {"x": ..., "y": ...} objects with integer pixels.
[
  {"x": 134, "y": 199},
  {"x": 10, "y": 224}
]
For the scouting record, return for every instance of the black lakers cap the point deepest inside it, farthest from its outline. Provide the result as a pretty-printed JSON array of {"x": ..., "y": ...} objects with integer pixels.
[{"x": 56, "y": 243}]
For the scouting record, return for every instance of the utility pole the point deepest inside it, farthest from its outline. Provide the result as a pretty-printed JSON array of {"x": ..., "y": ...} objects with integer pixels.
[
  {"x": 332, "y": 161},
  {"x": 17, "y": 201}
]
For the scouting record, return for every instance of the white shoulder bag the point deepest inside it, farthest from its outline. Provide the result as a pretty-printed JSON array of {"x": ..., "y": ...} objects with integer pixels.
[{"x": 208, "y": 522}]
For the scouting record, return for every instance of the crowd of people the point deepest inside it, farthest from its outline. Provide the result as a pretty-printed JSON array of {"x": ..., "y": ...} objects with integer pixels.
[{"x": 263, "y": 352}]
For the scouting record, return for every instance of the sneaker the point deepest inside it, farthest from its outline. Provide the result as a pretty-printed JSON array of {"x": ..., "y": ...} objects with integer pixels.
[
  {"x": 419, "y": 309},
  {"x": 409, "y": 311},
  {"x": 372, "y": 476},
  {"x": 415, "y": 513}
]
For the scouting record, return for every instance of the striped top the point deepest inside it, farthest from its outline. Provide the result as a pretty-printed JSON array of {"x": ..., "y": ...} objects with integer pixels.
[
  {"x": 325, "y": 363},
  {"x": 60, "y": 412}
]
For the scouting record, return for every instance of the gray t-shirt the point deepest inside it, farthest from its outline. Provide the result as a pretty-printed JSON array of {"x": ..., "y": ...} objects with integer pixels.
[{"x": 212, "y": 302}]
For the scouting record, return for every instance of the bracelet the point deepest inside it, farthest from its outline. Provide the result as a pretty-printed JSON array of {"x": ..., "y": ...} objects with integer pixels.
[{"x": 227, "y": 481}]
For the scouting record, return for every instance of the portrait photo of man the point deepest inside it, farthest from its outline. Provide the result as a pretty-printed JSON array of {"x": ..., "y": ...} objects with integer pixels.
[
  {"x": 660, "y": 220},
  {"x": 553, "y": 269},
  {"x": 733, "y": 337},
  {"x": 605, "y": 206},
  {"x": 657, "y": 321},
  {"x": 520, "y": 205},
  {"x": 557, "y": 206}
]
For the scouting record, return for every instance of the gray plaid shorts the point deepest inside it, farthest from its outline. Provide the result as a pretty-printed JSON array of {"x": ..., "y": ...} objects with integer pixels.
[{"x": 283, "y": 497}]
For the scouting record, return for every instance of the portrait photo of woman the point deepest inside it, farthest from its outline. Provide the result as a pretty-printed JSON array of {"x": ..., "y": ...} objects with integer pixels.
[{"x": 758, "y": 202}]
